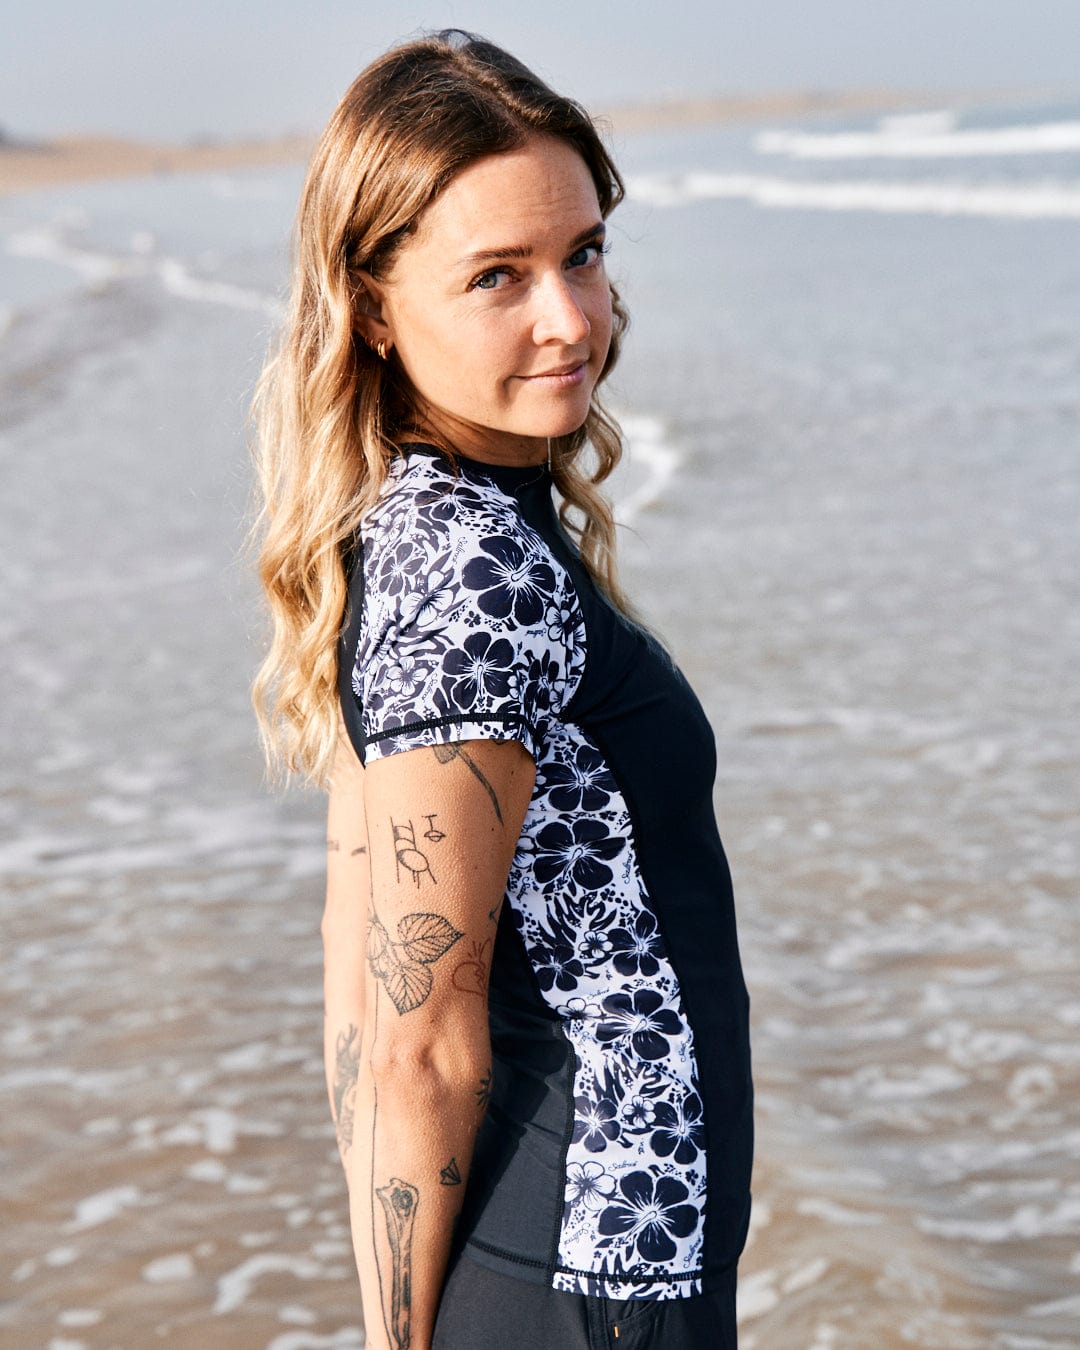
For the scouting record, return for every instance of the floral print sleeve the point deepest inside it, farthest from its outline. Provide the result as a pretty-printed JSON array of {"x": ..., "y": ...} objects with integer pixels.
[{"x": 470, "y": 628}]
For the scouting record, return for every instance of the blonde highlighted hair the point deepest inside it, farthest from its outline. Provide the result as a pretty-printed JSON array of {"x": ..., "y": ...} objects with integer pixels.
[{"x": 329, "y": 414}]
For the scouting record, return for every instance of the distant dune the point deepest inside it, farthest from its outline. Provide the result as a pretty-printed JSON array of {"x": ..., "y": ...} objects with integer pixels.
[
  {"x": 76, "y": 158},
  {"x": 25, "y": 165},
  {"x": 765, "y": 107}
]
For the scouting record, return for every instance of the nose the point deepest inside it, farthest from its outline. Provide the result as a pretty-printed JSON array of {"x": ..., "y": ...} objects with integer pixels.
[{"x": 559, "y": 316}]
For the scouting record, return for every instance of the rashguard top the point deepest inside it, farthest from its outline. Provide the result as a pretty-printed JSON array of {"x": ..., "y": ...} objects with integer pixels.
[{"x": 614, "y": 1157}]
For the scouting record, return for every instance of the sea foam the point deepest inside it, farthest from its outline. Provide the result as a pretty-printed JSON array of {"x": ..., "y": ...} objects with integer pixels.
[
  {"x": 1043, "y": 200},
  {"x": 923, "y": 136}
]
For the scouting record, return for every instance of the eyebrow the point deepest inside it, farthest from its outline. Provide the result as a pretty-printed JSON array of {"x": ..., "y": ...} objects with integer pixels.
[{"x": 486, "y": 255}]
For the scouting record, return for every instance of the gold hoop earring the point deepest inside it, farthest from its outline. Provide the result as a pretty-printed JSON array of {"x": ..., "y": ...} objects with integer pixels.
[{"x": 380, "y": 347}]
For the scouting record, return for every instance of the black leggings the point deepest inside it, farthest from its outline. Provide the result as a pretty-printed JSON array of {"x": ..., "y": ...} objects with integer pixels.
[{"x": 484, "y": 1310}]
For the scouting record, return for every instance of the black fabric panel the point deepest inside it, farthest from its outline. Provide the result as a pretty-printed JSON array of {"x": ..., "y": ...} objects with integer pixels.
[{"x": 513, "y": 1203}]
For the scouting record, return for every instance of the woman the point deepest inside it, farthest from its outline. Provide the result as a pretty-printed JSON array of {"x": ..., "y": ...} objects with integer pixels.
[{"x": 536, "y": 1023}]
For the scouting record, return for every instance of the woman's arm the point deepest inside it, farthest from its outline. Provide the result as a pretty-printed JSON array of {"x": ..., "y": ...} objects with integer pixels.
[
  {"x": 442, "y": 826},
  {"x": 348, "y": 894}
]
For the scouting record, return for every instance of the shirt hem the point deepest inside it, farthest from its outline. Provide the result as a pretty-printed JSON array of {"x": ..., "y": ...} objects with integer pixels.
[
  {"x": 456, "y": 727},
  {"x": 593, "y": 1284}
]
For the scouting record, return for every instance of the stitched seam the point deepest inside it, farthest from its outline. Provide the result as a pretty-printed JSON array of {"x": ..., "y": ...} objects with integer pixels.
[
  {"x": 503, "y": 719},
  {"x": 655, "y": 1277},
  {"x": 505, "y": 1256}
]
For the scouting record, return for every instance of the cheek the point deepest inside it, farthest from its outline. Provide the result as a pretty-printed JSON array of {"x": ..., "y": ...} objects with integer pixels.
[
  {"x": 602, "y": 321},
  {"x": 432, "y": 352}
]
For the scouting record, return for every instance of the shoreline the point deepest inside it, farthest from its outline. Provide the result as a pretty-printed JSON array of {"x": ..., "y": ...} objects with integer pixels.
[
  {"x": 27, "y": 166},
  {"x": 80, "y": 159}
]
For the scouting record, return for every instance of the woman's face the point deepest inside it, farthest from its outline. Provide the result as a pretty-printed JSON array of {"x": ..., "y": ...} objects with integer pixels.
[{"x": 498, "y": 307}]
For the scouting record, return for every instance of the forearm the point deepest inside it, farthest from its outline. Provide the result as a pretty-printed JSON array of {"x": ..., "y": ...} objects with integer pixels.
[
  {"x": 344, "y": 925},
  {"x": 415, "y": 1130},
  {"x": 440, "y": 849}
]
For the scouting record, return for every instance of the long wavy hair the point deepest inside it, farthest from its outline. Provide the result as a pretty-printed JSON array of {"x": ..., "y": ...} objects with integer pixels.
[{"x": 329, "y": 414}]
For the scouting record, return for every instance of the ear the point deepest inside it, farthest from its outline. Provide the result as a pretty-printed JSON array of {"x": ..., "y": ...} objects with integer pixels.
[{"x": 368, "y": 314}]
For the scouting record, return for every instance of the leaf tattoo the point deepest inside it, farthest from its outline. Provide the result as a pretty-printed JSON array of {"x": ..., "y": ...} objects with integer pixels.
[{"x": 403, "y": 966}]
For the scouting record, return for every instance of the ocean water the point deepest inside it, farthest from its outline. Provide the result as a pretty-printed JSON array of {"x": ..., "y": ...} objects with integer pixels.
[{"x": 852, "y": 393}]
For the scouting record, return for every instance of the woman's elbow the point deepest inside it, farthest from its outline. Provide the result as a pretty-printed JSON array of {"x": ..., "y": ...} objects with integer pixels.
[{"x": 426, "y": 1065}]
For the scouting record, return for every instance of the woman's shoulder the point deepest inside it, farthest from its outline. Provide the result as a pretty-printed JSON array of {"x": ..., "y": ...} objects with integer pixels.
[
  {"x": 425, "y": 501},
  {"x": 432, "y": 520},
  {"x": 441, "y": 544}
]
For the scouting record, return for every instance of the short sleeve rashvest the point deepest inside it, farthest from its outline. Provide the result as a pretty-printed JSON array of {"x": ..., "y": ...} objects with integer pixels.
[{"x": 614, "y": 1157}]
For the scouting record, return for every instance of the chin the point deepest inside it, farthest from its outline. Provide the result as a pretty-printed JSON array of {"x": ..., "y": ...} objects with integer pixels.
[{"x": 564, "y": 422}]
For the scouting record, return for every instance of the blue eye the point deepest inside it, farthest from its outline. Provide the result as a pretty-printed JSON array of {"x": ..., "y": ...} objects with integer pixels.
[
  {"x": 489, "y": 281},
  {"x": 588, "y": 254}
]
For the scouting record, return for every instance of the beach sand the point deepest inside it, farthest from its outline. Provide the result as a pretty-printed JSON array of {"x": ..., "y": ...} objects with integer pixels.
[{"x": 72, "y": 159}]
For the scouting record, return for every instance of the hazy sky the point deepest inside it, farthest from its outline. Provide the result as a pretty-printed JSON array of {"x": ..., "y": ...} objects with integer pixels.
[{"x": 235, "y": 67}]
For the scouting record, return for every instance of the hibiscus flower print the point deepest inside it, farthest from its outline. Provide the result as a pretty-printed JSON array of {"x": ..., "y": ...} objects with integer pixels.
[
  {"x": 594, "y": 947},
  {"x": 429, "y": 609},
  {"x": 588, "y": 1184},
  {"x": 511, "y": 582},
  {"x": 546, "y": 681},
  {"x": 556, "y": 965},
  {"x": 585, "y": 784},
  {"x": 649, "y": 1214},
  {"x": 401, "y": 566},
  {"x": 641, "y": 1019},
  {"x": 638, "y": 1114},
  {"x": 637, "y": 947},
  {"x": 562, "y": 621},
  {"x": 679, "y": 1129},
  {"x": 480, "y": 670},
  {"x": 406, "y": 676},
  {"x": 595, "y": 1123},
  {"x": 578, "y": 851},
  {"x": 447, "y": 502}
]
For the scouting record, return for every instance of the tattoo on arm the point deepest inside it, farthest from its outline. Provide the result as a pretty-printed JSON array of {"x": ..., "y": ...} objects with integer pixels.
[
  {"x": 406, "y": 854},
  {"x": 450, "y": 1175},
  {"x": 345, "y": 1074},
  {"x": 445, "y": 753},
  {"x": 399, "y": 1200},
  {"x": 334, "y": 846},
  {"x": 471, "y": 975},
  {"x": 483, "y": 1092},
  {"x": 404, "y": 966}
]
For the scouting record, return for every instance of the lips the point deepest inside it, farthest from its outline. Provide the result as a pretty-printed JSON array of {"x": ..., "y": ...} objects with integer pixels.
[{"x": 569, "y": 369}]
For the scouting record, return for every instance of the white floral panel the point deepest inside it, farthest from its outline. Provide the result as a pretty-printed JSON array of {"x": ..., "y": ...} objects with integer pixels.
[{"x": 635, "y": 1168}]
